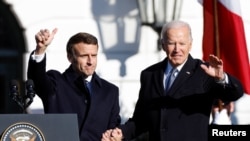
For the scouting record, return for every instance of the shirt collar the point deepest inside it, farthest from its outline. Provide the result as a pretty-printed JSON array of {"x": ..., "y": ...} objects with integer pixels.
[
  {"x": 169, "y": 67},
  {"x": 89, "y": 78}
]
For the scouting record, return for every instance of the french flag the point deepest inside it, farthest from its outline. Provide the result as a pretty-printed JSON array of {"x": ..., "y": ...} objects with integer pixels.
[{"x": 224, "y": 36}]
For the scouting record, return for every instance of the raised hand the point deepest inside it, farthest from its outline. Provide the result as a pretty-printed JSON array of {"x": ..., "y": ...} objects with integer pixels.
[
  {"x": 215, "y": 68},
  {"x": 43, "y": 39}
]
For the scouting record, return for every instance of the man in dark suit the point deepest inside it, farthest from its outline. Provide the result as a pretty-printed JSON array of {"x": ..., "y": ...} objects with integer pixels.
[
  {"x": 95, "y": 102},
  {"x": 180, "y": 110}
]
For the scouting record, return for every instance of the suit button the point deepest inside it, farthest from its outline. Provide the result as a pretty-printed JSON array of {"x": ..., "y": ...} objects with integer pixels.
[{"x": 86, "y": 101}]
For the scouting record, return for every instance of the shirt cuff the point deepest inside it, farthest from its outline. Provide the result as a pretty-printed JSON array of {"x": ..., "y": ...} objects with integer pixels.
[
  {"x": 223, "y": 81},
  {"x": 37, "y": 58}
]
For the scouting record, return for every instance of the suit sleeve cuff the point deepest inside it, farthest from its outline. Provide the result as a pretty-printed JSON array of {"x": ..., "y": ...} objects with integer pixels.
[
  {"x": 37, "y": 58},
  {"x": 223, "y": 81}
]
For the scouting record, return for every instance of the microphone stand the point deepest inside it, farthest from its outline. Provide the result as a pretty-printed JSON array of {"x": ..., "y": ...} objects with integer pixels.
[{"x": 23, "y": 101}]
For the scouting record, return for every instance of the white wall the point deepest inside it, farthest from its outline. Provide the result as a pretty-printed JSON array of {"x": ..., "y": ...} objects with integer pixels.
[{"x": 125, "y": 48}]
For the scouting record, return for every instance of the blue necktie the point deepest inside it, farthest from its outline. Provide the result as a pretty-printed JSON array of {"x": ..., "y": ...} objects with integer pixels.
[
  {"x": 88, "y": 86},
  {"x": 170, "y": 78}
]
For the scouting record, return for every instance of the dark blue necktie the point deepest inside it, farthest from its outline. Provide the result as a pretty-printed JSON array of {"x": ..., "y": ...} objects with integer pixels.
[
  {"x": 87, "y": 86},
  {"x": 170, "y": 78}
]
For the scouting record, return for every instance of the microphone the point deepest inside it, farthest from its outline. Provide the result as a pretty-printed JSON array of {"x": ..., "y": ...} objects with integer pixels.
[
  {"x": 30, "y": 92},
  {"x": 22, "y": 100},
  {"x": 14, "y": 91},
  {"x": 30, "y": 88}
]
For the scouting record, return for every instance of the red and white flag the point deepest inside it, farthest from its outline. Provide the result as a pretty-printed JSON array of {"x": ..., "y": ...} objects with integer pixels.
[{"x": 224, "y": 36}]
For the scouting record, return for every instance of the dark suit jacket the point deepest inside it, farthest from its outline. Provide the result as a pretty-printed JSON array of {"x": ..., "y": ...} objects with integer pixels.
[
  {"x": 65, "y": 93},
  {"x": 182, "y": 115}
]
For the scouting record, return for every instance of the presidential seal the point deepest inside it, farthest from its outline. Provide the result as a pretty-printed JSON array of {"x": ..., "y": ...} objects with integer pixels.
[{"x": 22, "y": 131}]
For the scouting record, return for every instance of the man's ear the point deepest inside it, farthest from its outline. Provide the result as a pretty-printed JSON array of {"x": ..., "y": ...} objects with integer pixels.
[
  {"x": 162, "y": 45},
  {"x": 70, "y": 58}
]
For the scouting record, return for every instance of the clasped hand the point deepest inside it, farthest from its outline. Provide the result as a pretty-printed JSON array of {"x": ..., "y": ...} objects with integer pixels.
[{"x": 112, "y": 135}]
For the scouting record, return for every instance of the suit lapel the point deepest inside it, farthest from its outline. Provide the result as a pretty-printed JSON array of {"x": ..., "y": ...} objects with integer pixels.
[
  {"x": 158, "y": 77},
  {"x": 97, "y": 92},
  {"x": 186, "y": 72}
]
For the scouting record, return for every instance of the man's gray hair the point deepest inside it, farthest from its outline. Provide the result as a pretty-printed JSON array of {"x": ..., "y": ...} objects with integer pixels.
[{"x": 175, "y": 24}]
